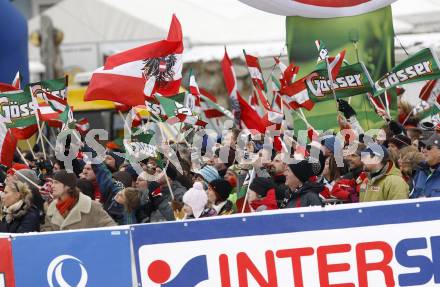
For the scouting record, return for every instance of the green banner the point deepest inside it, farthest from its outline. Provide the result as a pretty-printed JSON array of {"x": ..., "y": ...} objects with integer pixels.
[
  {"x": 352, "y": 80},
  {"x": 172, "y": 107},
  {"x": 373, "y": 35},
  {"x": 421, "y": 66},
  {"x": 17, "y": 109}
]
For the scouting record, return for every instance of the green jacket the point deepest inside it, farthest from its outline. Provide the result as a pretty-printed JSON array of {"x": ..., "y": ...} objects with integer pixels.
[{"x": 388, "y": 185}]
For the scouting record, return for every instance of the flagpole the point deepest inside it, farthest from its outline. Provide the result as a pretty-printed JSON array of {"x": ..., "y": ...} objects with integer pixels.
[
  {"x": 247, "y": 190},
  {"x": 330, "y": 77},
  {"x": 125, "y": 122},
  {"x": 48, "y": 142},
  {"x": 166, "y": 176},
  {"x": 42, "y": 142},
  {"x": 27, "y": 179},
  {"x": 30, "y": 148},
  {"x": 40, "y": 128},
  {"x": 22, "y": 156}
]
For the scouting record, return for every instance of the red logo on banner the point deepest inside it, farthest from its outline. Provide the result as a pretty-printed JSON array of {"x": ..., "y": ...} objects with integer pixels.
[
  {"x": 333, "y": 3},
  {"x": 6, "y": 264}
]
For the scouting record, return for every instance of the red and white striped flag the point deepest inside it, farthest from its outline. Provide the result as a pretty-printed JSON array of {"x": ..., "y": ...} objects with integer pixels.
[
  {"x": 209, "y": 111},
  {"x": 187, "y": 119},
  {"x": 46, "y": 113},
  {"x": 17, "y": 81},
  {"x": 82, "y": 126},
  {"x": 192, "y": 100},
  {"x": 255, "y": 71},
  {"x": 287, "y": 73},
  {"x": 241, "y": 110},
  {"x": 296, "y": 95},
  {"x": 131, "y": 76},
  {"x": 431, "y": 93}
]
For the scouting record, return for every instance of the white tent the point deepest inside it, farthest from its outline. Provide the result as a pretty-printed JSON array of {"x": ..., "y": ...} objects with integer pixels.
[{"x": 95, "y": 28}]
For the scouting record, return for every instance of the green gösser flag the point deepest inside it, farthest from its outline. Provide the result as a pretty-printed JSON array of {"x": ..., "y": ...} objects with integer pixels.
[
  {"x": 17, "y": 109},
  {"x": 352, "y": 80},
  {"x": 421, "y": 66}
]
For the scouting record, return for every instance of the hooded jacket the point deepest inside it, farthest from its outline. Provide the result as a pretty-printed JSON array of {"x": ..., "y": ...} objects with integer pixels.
[
  {"x": 306, "y": 195},
  {"x": 25, "y": 219},
  {"x": 387, "y": 185},
  {"x": 269, "y": 202}
]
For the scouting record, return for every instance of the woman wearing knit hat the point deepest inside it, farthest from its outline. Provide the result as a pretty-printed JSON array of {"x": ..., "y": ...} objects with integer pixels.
[
  {"x": 206, "y": 174},
  {"x": 261, "y": 194},
  {"x": 195, "y": 202},
  {"x": 18, "y": 215},
  {"x": 303, "y": 190},
  {"x": 71, "y": 209},
  {"x": 219, "y": 191}
]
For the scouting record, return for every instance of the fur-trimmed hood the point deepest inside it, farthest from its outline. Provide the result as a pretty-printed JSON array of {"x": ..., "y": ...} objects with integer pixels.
[{"x": 20, "y": 211}]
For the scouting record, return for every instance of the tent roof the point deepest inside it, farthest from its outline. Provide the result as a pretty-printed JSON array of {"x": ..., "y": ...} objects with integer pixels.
[{"x": 204, "y": 22}]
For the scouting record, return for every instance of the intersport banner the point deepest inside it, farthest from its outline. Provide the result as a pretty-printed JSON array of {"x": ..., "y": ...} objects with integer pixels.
[
  {"x": 352, "y": 80},
  {"x": 373, "y": 35},
  {"x": 80, "y": 258},
  {"x": 377, "y": 244},
  {"x": 318, "y": 8},
  {"x": 421, "y": 66}
]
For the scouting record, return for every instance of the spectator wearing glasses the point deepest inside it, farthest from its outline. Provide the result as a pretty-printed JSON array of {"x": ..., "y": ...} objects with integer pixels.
[{"x": 427, "y": 178}]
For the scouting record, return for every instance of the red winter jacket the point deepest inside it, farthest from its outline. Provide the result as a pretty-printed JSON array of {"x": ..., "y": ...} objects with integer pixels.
[{"x": 266, "y": 203}]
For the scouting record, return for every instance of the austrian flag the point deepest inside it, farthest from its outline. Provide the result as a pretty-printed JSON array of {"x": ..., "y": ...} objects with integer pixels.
[
  {"x": 132, "y": 76},
  {"x": 255, "y": 71}
]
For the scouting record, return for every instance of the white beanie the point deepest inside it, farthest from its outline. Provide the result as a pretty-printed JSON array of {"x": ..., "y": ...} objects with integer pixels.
[{"x": 196, "y": 198}]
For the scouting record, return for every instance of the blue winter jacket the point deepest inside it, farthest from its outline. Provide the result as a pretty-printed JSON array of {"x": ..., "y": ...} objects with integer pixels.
[{"x": 426, "y": 183}]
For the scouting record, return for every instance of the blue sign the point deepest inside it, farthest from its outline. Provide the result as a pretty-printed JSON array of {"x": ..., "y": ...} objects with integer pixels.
[
  {"x": 266, "y": 249},
  {"x": 86, "y": 258}
]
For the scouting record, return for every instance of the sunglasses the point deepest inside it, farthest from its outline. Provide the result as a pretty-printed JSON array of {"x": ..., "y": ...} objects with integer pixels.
[{"x": 429, "y": 147}]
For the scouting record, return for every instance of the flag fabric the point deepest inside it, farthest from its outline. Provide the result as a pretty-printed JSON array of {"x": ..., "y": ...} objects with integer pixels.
[
  {"x": 194, "y": 89},
  {"x": 332, "y": 64},
  {"x": 322, "y": 51},
  {"x": 6, "y": 88},
  {"x": 352, "y": 80},
  {"x": 131, "y": 76},
  {"x": 17, "y": 109},
  {"x": 171, "y": 107},
  {"x": 82, "y": 126},
  {"x": 255, "y": 71},
  {"x": 50, "y": 99},
  {"x": 16, "y": 83},
  {"x": 191, "y": 120},
  {"x": 8, "y": 144},
  {"x": 297, "y": 96},
  {"x": 231, "y": 86},
  {"x": 430, "y": 99},
  {"x": 24, "y": 133},
  {"x": 250, "y": 117},
  {"x": 431, "y": 92},
  {"x": 214, "y": 110},
  {"x": 287, "y": 73},
  {"x": 121, "y": 107},
  {"x": 421, "y": 66},
  {"x": 210, "y": 108}
]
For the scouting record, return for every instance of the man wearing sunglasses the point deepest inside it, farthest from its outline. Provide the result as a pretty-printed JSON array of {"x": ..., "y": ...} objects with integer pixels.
[{"x": 427, "y": 178}]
